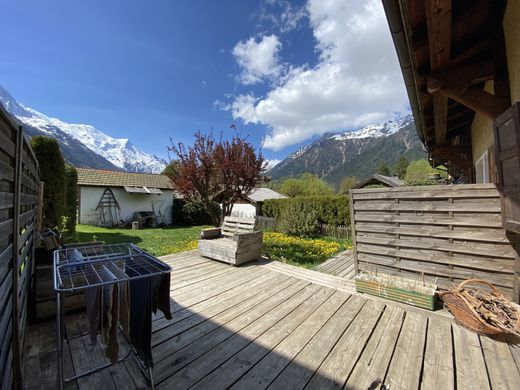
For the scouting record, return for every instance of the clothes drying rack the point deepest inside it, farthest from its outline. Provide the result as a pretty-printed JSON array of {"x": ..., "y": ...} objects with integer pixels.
[{"x": 73, "y": 276}]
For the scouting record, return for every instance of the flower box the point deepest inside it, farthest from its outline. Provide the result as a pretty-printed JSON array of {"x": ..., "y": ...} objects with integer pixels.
[{"x": 412, "y": 292}]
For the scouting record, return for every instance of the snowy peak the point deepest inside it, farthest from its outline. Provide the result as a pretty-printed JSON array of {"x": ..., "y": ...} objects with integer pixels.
[
  {"x": 377, "y": 130},
  {"x": 119, "y": 151}
]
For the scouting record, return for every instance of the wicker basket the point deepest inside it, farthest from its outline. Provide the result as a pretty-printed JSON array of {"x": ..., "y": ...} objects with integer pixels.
[{"x": 464, "y": 313}]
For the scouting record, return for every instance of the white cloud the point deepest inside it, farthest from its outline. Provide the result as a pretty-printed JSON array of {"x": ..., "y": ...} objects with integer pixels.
[
  {"x": 282, "y": 14},
  {"x": 357, "y": 81},
  {"x": 258, "y": 58},
  {"x": 272, "y": 163}
]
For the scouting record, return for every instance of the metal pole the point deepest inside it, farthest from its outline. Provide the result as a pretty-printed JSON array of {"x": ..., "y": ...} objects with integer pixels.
[{"x": 59, "y": 340}]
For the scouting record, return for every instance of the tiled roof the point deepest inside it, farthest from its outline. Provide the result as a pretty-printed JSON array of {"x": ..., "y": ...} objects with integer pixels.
[{"x": 98, "y": 178}]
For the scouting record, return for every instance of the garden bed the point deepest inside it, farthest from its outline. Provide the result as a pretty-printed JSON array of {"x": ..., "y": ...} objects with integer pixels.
[{"x": 303, "y": 252}]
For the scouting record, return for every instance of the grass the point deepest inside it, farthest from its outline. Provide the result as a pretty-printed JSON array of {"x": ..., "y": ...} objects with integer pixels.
[
  {"x": 158, "y": 241},
  {"x": 303, "y": 252}
]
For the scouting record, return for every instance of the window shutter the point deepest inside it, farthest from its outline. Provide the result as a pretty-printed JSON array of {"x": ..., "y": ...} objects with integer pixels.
[{"x": 507, "y": 156}]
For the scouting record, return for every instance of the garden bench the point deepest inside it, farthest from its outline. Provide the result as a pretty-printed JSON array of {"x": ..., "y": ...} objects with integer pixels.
[{"x": 235, "y": 242}]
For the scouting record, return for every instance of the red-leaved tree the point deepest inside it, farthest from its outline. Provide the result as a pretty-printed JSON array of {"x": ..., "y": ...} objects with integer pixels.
[{"x": 227, "y": 169}]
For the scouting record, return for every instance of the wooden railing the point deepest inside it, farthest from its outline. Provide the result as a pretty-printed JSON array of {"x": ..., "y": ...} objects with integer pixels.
[
  {"x": 19, "y": 189},
  {"x": 444, "y": 233}
]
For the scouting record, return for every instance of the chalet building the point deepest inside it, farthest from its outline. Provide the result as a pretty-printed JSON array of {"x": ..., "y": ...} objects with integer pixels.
[
  {"x": 110, "y": 198},
  {"x": 460, "y": 62}
]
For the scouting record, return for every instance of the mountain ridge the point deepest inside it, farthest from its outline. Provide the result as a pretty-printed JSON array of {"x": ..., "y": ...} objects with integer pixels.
[
  {"x": 83, "y": 145},
  {"x": 353, "y": 153}
]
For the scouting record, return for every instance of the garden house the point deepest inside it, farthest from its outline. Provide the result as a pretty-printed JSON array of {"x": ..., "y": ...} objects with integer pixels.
[
  {"x": 112, "y": 198},
  {"x": 377, "y": 180},
  {"x": 251, "y": 205}
]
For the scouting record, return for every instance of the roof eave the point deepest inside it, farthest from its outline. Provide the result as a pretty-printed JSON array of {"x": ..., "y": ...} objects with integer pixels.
[{"x": 402, "y": 46}]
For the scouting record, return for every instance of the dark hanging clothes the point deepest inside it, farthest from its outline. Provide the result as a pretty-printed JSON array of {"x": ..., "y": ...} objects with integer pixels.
[
  {"x": 161, "y": 297},
  {"x": 146, "y": 295},
  {"x": 141, "y": 318},
  {"x": 93, "y": 305}
]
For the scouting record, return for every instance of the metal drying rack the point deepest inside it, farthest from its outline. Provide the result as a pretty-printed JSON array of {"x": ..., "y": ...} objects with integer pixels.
[{"x": 73, "y": 276}]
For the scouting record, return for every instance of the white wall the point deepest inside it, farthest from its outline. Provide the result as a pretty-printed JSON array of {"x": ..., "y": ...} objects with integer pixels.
[
  {"x": 129, "y": 203},
  {"x": 243, "y": 210}
]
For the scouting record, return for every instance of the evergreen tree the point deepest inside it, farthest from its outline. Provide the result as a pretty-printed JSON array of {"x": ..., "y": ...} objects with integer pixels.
[
  {"x": 382, "y": 168},
  {"x": 52, "y": 173},
  {"x": 400, "y": 167},
  {"x": 72, "y": 197}
]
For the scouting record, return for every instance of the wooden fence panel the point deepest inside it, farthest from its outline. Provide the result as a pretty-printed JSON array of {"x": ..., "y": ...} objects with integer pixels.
[
  {"x": 446, "y": 233},
  {"x": 19, "y": 186}
]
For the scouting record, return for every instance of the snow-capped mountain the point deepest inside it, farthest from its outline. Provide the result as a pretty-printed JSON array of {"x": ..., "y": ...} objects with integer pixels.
[
  {"x": 353, "y": 153},
  {"x": 120, "y": 153},
  {"x": 378, "y": 130}
]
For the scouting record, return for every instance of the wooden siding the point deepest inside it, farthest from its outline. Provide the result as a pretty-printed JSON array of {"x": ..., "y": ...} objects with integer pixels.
[
  {"x": 19, "y": 188},
  {"x": 447, "y": 233}
]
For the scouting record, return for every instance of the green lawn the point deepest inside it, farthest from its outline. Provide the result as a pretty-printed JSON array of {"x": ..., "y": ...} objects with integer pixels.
[
  {"x": 303, "y": 252},
  {"x": 158, "y": 242}
]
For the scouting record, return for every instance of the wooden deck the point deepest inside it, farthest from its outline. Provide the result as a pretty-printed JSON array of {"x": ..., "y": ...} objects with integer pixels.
[
  {"x": 341, "y": 265},
  {"x": 272, "y": 325}
]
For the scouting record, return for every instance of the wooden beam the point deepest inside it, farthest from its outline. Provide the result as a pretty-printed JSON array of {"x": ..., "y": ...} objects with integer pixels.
[
  {"x": 460, "y": 155},
  {"x": 464, "y": 75},
  {"x": 440, "y": 114},
  {"x": 438, "y": 20},
  {"x": 475, "y": 98}
]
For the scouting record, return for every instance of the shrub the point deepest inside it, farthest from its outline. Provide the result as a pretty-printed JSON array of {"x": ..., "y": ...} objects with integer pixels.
[
  {"x": 299, "y": 224},
  {"x": 52, "y": 173},
  {"x": 303, "y": 215},
  {"x": 190, "y": 213},
  {"x": 72, "y": 197}
]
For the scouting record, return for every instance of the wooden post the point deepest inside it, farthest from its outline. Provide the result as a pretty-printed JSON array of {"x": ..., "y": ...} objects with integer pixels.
[
  {"x": 353, "y": 227},
  {"x": 17, "y": 358}
]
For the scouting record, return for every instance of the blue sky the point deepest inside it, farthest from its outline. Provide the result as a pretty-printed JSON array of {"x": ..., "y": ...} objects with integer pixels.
[{"x": 283, "y": 72}]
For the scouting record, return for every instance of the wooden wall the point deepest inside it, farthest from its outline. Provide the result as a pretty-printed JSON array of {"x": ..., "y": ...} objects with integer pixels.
[
  {"x": 19, "y": 186},
  {"x": 449, "y": 233}
]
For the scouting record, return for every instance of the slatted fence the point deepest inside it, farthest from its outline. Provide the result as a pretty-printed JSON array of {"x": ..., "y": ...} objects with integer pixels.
[
  {"x": 446, "y": 233},
  {"x": 19, "y": 188}
]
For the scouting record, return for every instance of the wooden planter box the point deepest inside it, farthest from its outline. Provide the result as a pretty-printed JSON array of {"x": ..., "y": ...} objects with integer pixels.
[{"x": 411, "y": 292}]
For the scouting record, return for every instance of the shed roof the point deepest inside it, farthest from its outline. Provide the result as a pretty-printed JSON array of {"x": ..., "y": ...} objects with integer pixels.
[
  {"x": 99, "y": 178},
  {"x": 261, "y": 194},
  {"x": 389, "y": 181}
]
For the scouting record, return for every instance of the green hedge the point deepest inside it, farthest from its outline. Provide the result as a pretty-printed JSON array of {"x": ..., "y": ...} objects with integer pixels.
[
  {"x": 52, "y": 173},
  {"x": 72, "y": 197},
  {"x": 303, "y": 215}
]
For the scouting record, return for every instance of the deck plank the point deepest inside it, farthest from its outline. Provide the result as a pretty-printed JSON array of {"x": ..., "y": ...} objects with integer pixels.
[
  {"x": 335, "y": 369},
  {"x": 438, "y": 359},
  {"x": 223, "y": 310},
  {"x": 406, "y": 365},
  {"x": 471, "y": 369},
  {"x": 292, "y": 312},
  {"x": 300, "y": 370},
  {"x": 373, "y": 363},
  {"x": 282, "y": 352},
  {"x": 502, "y": 370},
  {"x": 272, "y": 308}
]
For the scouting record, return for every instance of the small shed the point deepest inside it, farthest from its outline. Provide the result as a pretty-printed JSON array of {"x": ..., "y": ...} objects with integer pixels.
[
  {"x": 251, "y": 205},
  {"x": 377, "y": 180},
  {"x": 110, "y": 198}
]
